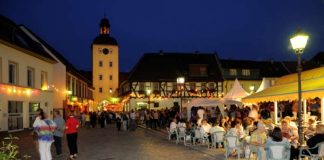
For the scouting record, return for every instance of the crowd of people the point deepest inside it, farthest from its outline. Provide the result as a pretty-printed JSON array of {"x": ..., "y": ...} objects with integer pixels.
[
  {"x": 253, "y": 126},
  {"x": 47, "y": 131}
]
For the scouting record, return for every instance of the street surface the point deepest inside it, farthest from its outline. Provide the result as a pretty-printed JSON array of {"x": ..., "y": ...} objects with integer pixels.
[{"x": 143, "y": 144}]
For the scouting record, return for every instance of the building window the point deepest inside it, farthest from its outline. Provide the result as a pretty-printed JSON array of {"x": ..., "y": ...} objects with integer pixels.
[
  {"x": 33, "y": 107},
  {"x": 232, "y": 72},
  {"x": 211, "y": 85},
  {"x": 30, "y": 77},
  {"x": 44, "y": 80},
  {"x": 192, "y": 86},
  {"x": 110, "y": 77},
  {"x": 110, "y": 64},
  {"x": 203, "y": 86},
  {"x": 100, "y": 63},
  {"x": 198, "y": 70},
  {"x": 246, "y": 72},
  {"x": 141, "y": 86},
  {"x": 13, "y": 73},
  {"x": 156, "y": 86},
  {"x": 15, "y": 115},
  {"x": 100, "y": 77},
  {"x": 100, "y": 89},
  {"x": 110, "y": 90}
]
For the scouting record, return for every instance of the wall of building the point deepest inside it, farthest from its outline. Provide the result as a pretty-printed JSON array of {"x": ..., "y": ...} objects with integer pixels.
[
  {"x": 59, "y": 78},
  {"x": 20, "y": 91},
  {"x": 135, "y": 103},
  {"x": 106, "y": 71}
]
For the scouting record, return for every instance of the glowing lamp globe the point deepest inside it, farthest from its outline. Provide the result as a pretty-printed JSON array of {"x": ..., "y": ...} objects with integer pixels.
[{"x": 299, "y": 42}]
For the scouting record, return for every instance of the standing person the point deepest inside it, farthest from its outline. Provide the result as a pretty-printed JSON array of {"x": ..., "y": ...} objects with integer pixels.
[
  {"x": 93, "y": 119},
  {"x": 156, "y": 119},
  {"x": 58, "y": 133},
  {"x": 118, "y": 123},
  {"x": 87, "y": 120},
  {"x": 83, "y": 119},
  {"x": 71, "y": 131},
  {"x": 44, "y": 129},
  {"x": 102, "y": 120}
]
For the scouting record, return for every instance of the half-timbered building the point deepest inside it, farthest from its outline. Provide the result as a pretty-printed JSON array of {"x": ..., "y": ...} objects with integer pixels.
[{"x": 153, "y": 81}]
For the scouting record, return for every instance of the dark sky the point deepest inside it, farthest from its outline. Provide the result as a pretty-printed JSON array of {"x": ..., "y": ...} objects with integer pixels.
[{"x": 237, "y": 29}]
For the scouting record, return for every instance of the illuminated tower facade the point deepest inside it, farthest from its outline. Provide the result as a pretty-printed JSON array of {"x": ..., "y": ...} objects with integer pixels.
[{"x": 105, "y": 63}]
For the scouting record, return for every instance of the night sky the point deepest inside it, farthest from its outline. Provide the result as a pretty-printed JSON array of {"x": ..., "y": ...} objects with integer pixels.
[{"x": 236, "y": 29}]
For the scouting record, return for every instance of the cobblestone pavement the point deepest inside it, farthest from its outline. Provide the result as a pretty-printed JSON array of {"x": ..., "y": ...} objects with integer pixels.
[{"x": 108, "y": 144}]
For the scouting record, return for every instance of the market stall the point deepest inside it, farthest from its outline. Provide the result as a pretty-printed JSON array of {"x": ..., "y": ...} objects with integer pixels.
[{"x": 286, "y": 89}]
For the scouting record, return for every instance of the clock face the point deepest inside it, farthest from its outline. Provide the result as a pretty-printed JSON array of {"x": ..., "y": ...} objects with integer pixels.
[{"x": 105, "y": 51}]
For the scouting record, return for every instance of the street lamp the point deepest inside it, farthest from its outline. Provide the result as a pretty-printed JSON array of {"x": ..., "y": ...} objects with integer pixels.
[
  {"x": 252, "y": 89},
  {"x": 181, "y": 82},
  {"x": 148, "y": 93},
  {"x": 298, "y": 42}
]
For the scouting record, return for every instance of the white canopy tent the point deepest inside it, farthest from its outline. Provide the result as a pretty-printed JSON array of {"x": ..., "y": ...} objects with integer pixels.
[
  {"x": 264, "y": 85},
  {"x": 237, "y": 92},
  {"x": 203, "y": 102}
]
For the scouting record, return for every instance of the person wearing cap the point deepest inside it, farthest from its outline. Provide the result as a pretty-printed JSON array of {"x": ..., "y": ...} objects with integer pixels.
[{"x": 258, "y": 140}]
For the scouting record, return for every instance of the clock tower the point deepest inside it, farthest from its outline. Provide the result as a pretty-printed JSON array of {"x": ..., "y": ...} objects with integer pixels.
[{"x": 105, "y": 64}]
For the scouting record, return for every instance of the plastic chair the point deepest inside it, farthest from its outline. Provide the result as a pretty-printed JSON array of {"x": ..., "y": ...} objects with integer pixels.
[
  {"x": 199, "y": 136},
  {"x": 181, "y": 134},
  {"x": 232, "y": 143},
  {"x": 217, "y": 138},
  {"x": 278, "y": 151},
  {"x": 320, "y": 154},
  {"x": 169, "y": 133}
]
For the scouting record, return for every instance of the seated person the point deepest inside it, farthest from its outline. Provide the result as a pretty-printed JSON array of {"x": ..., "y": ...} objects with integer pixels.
[
  {"x": 181, "y": 124},
  {"x": 311, "y": 127},
  {"x": 232, "y": 131},
  {"x": 216, "y": 128},
  {"x": 205, "y": 129},
  {"x": 291, "y": 135},
  {"x": 277, "y": 138},
  {"x": 173, "y": 127},
  {"x": 258, "y": 140},
  {"x": 239, "y": 129},
  {"x": 317, "y": 138}
]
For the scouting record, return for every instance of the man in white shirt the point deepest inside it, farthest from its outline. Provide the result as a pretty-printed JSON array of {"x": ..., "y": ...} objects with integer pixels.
[
  {"x": 173, "y": 125},
  {"x": 216, "y": 128},
  {"x": 205, "y": 127}
]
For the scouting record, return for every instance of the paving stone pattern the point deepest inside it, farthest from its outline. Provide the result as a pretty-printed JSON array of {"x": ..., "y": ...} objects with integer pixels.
[{"x": 109, "y": 144}]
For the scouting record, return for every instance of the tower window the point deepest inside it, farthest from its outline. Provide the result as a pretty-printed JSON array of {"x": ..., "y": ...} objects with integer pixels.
[
  {"x": 100, "y": 63},
  {"x": 110, "y": 77},
  {"x": 110, "y": 64},
  {"x": 100, "y": 77},
  {"x": 100, "y": 89}
]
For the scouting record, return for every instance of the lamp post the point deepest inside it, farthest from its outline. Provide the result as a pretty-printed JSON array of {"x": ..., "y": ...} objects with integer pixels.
[
  {"x": 181, "y": 82},
  {"x": 298, "y": 42},
  {"x": 148, "y": 93}
]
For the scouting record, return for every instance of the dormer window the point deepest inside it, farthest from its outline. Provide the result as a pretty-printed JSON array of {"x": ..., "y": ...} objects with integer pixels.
[
  {"x": 232, "y": 72},
  {"x": 246, "y": 72},
  {"x": 199, "y": 70}
]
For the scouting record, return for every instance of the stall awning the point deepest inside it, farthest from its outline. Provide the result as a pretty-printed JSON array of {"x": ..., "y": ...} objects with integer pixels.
[{"x": 286, "y": 88}]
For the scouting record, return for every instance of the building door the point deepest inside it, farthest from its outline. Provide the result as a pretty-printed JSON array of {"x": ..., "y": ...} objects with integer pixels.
[
  {"x": 33, "y": 107},
  {"x": 15, "y": 115}
]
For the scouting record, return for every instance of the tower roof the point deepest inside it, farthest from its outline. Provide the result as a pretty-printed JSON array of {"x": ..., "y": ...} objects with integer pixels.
[{"x": 104, "y": 22}]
